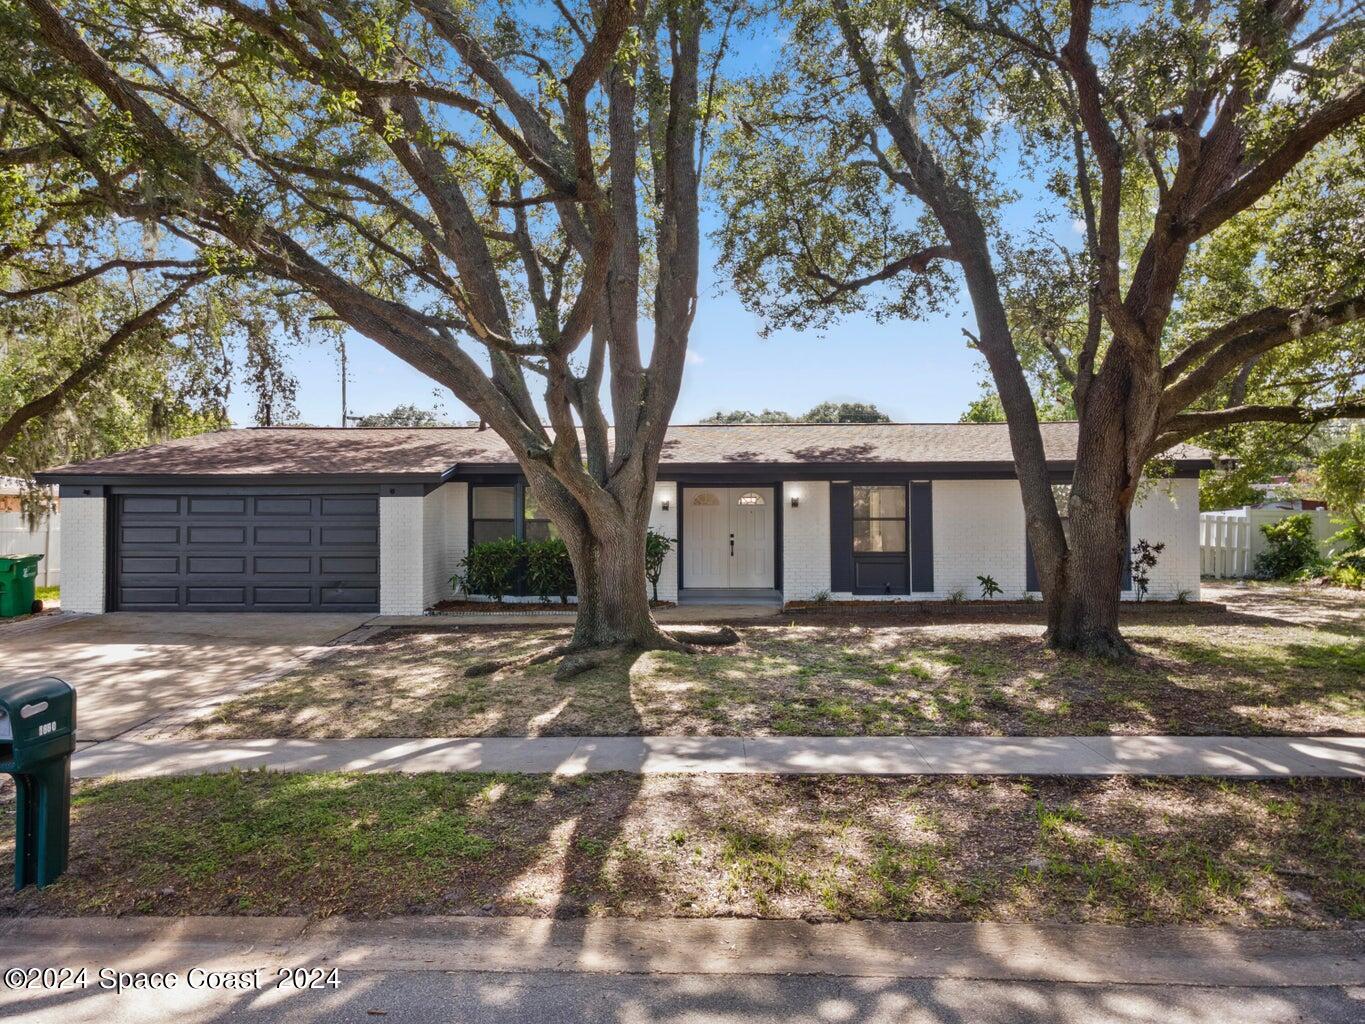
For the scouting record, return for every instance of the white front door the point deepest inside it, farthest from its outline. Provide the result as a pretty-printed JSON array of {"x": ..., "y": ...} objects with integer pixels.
[
  {"x": 751, "y": 522},
  {"x": 728, "y": 537}
]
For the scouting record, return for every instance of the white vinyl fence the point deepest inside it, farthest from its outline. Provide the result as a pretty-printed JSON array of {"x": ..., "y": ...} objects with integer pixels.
[
  {"x": 17, "y": 539},
  {"x": 1230, "y": 541}
]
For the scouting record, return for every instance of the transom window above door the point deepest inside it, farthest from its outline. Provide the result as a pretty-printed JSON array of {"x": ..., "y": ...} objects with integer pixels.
[
  {"x": 879, "y": 519},
  {"x": 750, "y": 498}
]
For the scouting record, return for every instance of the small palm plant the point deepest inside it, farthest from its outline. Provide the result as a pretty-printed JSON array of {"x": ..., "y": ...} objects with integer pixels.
[{"x": 989, "y": 588}]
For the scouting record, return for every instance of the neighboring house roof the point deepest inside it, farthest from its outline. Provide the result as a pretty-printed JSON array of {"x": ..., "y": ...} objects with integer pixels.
[{"x": 428, "y": 453}]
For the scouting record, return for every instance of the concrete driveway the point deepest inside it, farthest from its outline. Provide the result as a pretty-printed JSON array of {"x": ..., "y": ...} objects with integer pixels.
[{"x": 129, "y": 667}]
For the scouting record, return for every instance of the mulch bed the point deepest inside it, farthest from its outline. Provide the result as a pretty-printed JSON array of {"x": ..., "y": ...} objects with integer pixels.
[{"x": 515, "y": 607}]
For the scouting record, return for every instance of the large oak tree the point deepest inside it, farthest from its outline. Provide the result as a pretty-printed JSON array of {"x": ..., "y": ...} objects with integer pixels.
[
  {"x": 487, "y": 190},
  {"x": 1211, "y": 155}
]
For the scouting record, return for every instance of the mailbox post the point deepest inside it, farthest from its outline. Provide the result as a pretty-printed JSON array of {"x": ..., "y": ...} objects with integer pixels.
[{"x": 37, "y": 736}]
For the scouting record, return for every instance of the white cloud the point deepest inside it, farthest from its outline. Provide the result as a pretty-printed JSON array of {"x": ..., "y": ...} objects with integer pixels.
[
  {"x": 1078, "y": 226},
  {"x": 694, "y": 357}
]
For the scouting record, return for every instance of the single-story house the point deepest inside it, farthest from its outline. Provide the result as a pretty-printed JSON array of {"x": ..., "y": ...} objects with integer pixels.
[{"x": 330, "y": 519}]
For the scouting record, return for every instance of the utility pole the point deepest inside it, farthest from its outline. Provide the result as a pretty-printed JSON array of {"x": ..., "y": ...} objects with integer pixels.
[{"x": 341, "y": 344}]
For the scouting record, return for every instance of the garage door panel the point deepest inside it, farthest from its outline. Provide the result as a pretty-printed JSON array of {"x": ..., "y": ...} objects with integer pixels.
[
  {"x": 291, "y": 506},
  {"x": 217, "y": 535},
  {"x": 281, "y": 552},
  {"x": 143, "y": 565},
  {"x": 288, "y": 565},
  {"x": 270, "y": 597},
  {"x": 349, "y": 596},
  {"x": 199, "y": 506},
  {"x": 134, "y": 597},
  {"x": 295, "y": 535},
  {"x": 159, "y": 535},
  {"x": 157, "y": 505},
  {"x": 210, "y": 565},
  {"x": 360, "y": 505},
  {"x": 215, "y": 595},
  {"x": 349, "y": 566},
  {"x": 349, "y": 535}
]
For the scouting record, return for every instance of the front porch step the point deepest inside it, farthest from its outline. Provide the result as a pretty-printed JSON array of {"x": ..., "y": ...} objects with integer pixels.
[{"x": 721, "y": 595}]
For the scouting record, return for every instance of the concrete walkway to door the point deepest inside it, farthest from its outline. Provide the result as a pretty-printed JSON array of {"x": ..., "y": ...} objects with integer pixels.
[{"x": 129, "y": 667}]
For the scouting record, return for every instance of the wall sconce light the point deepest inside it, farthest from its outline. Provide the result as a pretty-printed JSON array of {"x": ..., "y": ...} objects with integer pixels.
[
  {"x": 796, "y": 501},
  {"x": 664, "y": 504}
]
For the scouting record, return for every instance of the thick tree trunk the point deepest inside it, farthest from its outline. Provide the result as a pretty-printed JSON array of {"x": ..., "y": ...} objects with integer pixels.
[
  {"x": 613, "y": 599},
  {"x": 1083, "y": 603},
  {"x": 1083, "y": 611}
]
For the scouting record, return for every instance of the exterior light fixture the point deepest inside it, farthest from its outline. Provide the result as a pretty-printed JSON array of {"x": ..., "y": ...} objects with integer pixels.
[
  {"x": 796, "y": 501},
  {"x": 664, "y": 504}
]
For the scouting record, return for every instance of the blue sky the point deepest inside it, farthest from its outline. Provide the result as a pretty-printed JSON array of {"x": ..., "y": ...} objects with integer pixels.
[
  {"x": 913, "y": 371},
  {"x": 921, "y": 371}
]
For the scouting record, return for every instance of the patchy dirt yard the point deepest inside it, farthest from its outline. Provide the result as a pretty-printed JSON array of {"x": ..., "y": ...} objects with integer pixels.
[
  {"x": 1279, "y": 660},
  {"x": 1114, "y": 850}
]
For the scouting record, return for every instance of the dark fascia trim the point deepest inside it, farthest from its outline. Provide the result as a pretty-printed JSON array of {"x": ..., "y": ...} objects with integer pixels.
[
  {"x": 766, "y": 472},
  {"x": 77, "y": 491},
  {"x": 715, "y": 472},
  {"x": 236, "y": 480},
  {"x": 758, "y": 471}
]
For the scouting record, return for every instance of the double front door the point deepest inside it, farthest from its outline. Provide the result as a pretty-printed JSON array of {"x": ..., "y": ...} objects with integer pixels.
[{"x": 727, "y": 537}]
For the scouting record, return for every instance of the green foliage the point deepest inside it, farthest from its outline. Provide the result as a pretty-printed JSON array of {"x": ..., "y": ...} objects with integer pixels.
[
  {"x": 549, "y": 570},
  {"x": 1143, "y": 561},
  {"x": 1341, "y": 482},
  {"x": 989, "y": 587},
  {"x": 1292, "y": 549},
  {"x": 657, "y": 547},
  {"x": 825, "y": 412},
  {"x": 1348, "y": 569},
  {"x": 491, "y": 568},
  {"x": 845, "y": 412},
  {"x": 404, "y": 416}
]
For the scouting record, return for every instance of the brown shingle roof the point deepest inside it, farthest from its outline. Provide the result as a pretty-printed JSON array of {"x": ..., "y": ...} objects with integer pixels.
[{"x": 430, "y": 452}]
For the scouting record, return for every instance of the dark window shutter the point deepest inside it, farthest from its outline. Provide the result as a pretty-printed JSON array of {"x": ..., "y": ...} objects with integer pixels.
[
  {"x": 841, "y": 538},
  {"x": 1127, "y": 555},
  {"x": 922, "y": 536},
  {"x": 1030, "y": 569}
]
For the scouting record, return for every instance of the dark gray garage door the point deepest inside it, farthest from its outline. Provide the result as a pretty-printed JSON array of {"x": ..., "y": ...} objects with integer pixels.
[{"x": 246, "y": 552}]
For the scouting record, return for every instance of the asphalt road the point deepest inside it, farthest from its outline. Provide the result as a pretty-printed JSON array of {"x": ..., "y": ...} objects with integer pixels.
[{"x": 547, "y": 997}]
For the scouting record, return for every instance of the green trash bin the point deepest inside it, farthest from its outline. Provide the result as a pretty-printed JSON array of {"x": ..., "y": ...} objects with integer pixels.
[
  {"x": 18, "y": 575},
  {"x": 37, "y": 737}
]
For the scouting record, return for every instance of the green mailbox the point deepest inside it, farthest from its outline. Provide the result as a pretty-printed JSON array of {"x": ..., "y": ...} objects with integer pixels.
[{"x": 37, "y": 736}]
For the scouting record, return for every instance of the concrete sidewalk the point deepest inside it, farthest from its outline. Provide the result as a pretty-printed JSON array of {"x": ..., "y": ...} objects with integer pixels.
[
  {"x": 1215, "y": 756},
  {"x": 1086, "y": 954}
]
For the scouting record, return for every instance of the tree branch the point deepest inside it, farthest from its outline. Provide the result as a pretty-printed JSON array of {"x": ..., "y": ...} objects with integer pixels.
[
  {"x": 916, "y": 263},
  {"x": 1192, "y": 424},
  {"x": 1270, "y": 171},
  {"x": 96, "y": 361}
]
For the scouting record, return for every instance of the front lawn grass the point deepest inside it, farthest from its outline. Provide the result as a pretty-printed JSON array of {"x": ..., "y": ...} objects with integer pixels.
[
  {"x": 1114, "y": 850},
  {"x": 1197, "y": 673}
]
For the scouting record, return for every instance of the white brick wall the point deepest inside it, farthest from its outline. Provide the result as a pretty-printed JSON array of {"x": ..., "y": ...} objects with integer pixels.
[
  {"x": 433, "y": 548},
  {"x": 1168, "y": 511},
  {"x": 805, "y": 539},
  {"x": 978, "y": 531},
  {"x": 667, "y": 524},
  {"x": 455, "y": 542},
  {"x": 402, "y": 550},
  {"x": 83, "y": 554}
]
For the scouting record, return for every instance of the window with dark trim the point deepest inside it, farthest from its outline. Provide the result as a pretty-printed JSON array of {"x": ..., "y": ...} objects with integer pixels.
[
  {"x": 535, "y": 525},
  {"x": 492, "y": 512},
  {"x": 879, "y": 519}
]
